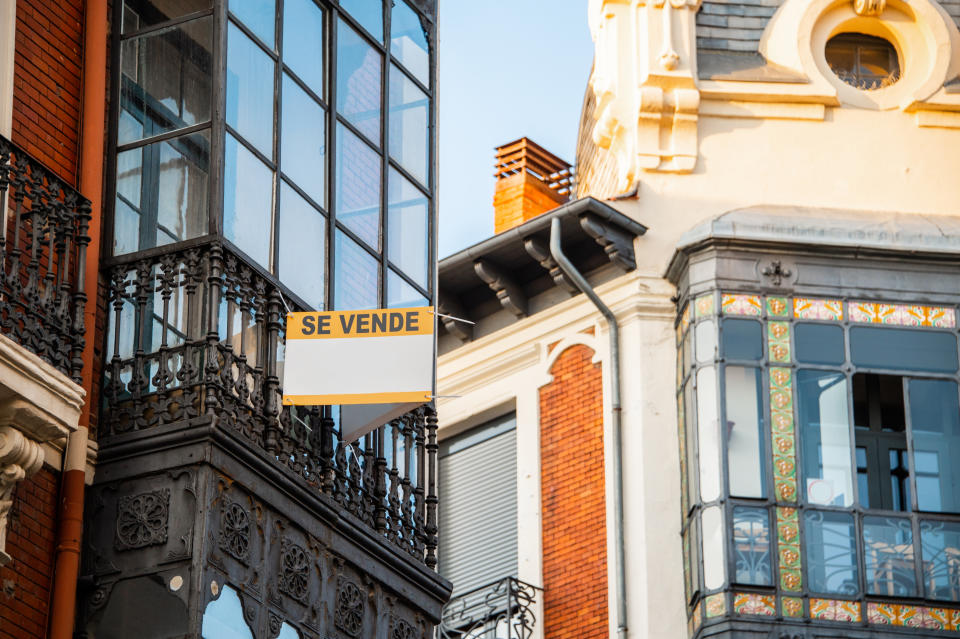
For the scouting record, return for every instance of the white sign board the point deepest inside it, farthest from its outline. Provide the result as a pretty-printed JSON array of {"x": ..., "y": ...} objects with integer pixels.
[{"x": 376, "y": 364}]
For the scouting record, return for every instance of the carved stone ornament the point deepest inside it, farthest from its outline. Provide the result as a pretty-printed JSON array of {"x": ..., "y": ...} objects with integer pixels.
[
  {"x": 20, "y": 457},
  {"x": 348, "y": 614},
  {"x": 142, "y": 519},
  {"x": 294, "y": 566},
  {"x": 869, "y": 7},
  {"x": 234, "y": 534},
  {"x": 402, "y": 629}
]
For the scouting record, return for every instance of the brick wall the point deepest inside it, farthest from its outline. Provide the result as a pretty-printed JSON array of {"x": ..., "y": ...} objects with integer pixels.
[
  {"x": 572, "y": 498},
  {"x": 25, "y": 582},
  {"x": 46, "y": 83}
]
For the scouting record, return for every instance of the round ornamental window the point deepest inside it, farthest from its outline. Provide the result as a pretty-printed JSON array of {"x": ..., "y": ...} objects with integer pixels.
[{"x": 862, "y": 61}]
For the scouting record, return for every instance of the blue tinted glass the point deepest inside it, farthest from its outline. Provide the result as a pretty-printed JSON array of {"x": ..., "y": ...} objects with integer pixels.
[
  {"x": 824, "y": 427},
  {"x": 409, "y": 141},
  {"x": 356, "y": 276},
  {"x": 247, "y": 197},
  {"x": 369, "y": 13},
  {"x": 831, "y": 552},
  {"x": 408, "y": 41},
  {"x": 940, "y": 543},
  {"x": 745, "y": 441},
  {"x": 903, "y": 349},
  {"x": 223, "y": 617},
  {"x": 402, "y": 295},
  {"x": 935, "y": 424},
  {"x": 888, "y": 554},
  {"x": 302, "y": 257},
  {"x": 751, "y": 543},
  {"x": 741, "y": 339},
  {"x": 288, "y": 632},
  {"x": 819, "y": 343},
  {"x": 358, "y": 82},
  {"x": 258, "y": 15},
  {"x": 303, "y": 41},
  {"x": 407, "y": 217},
  {"x": 303, "y": 141},
  {"x": 250, "y": 90},
  {"x": 358, "y": 186}
]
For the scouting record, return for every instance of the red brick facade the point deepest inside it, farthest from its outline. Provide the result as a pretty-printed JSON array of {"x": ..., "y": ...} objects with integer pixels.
[
  {"x": 572, "y": 497},
  {"x": 25, "y": 583}
]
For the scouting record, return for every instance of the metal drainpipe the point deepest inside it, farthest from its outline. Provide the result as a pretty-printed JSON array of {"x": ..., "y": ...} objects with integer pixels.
[{"x": 556, "y": 251}]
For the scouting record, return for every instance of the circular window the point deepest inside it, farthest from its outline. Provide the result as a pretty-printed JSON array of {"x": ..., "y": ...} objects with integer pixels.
[{"x": 863, "y": 61}]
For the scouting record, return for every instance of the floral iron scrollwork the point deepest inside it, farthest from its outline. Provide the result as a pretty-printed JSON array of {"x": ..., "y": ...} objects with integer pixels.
[
  {"x": 234, "y": 535},
  {"x": 349, "y": 611},
  {"x": 142, "y": 519},
  {"x": 294, "y": 567}
]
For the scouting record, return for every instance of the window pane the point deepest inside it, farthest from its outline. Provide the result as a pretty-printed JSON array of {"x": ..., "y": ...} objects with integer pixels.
[
  {"x": 903, "y": 349},
  {"x": 689, "y": 428},
  {"x": 745, "y": 454},
  {"x": 358, "y": 82},
  {"x": 258, "y": 15},
  {"x": 302, "y": 256},
  {"x": 250, "y": 90},
  {"x": 706, "y": 341},
  {"x": 831, "y": 551},
  {"x": 707, "y": 433},
  {"x": 223, "y": 617},
  {"x": 751, "y": 541},
  {"x": 303, "y": 142},
  {"x": 165, "y": 80},
  {"x": 407, "y": 237},
  {"x": 888, "y": 555},
  {"x": 825, "y": 437},
  {"x": 303, "y": 41},
  {"x": 288, "y": 632},
  {"x": 935, "y": 422},
  {"x": 369, "y": 13},
  {"x": 742, "y": 339},
  {"x": 819, "y": 343},
  {"x": 138, "y": 14},
  {"x": 409, "y": 140},
  {"x": 401, "y": 295},
  {"x": 713, "y": 556},
  {"x": 247, "y": 197},
  {"x": 358, "y": 186},
  {"x": 356, "y": 279},
  {"x": 940, "y": 542},
  {"x": 408, "y": 41}
]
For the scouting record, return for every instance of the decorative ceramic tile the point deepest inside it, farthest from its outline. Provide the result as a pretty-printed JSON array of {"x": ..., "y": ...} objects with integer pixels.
[
  {"x": 704, "y": 305},
  {"x": 716, "y": 605},
  {"x": 682, "y": 445},
  {"x": 741, "y": 304},
  {"x": 688, "y": 586},
  {"x": 696, "y": 618},
  {"x": 791, "y": 606},
  {"x": 754, "y": 604},
  {"x": 683, "y": 323},
  {"x": 778, "y": 307},
  {"x": 804, "y": 308},
  {"x": 835, "y": 610},
  {"x": 902, "y": 314},
  {"x": 886, "y": 614},
  {"x": 778, "y": 341},
  {"x": 788, "y": 544},
  {"x": 782, "y": 434}
]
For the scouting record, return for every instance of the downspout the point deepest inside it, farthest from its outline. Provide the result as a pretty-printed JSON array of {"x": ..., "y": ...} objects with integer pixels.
[
  {"x": 67, "y": 570},
  {"x": 556, "y": 251}
]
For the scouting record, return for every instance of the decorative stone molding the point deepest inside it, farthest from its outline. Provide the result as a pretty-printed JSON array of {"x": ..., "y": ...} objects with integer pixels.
[
  {"x": 20, "y": 457},
  {"x": 646, "y": 113},
  {"x": 869, "y": 7}
]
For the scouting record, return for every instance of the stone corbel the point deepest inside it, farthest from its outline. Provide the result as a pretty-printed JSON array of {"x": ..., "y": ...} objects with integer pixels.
[
  {"x": 20, "y": 457},
  {"x": 617, "y": 244},
  {"x": 450, "y": 306},
  {"x": 509, "y": 293},
  {"x": 539, "y": 251}
]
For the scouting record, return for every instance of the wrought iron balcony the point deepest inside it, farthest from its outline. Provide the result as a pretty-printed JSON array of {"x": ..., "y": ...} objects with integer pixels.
[
  {"x": 504, "y": 609},
  {"x": 42, "y": 260},
  {"x": 196, "y": 333}
]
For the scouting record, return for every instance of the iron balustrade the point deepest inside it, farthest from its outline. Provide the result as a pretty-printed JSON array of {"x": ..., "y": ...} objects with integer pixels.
[
  {"x": 197, "y": 332},
  {"x": 504, "y": 609},
  {"x": 42, "y": 260}
]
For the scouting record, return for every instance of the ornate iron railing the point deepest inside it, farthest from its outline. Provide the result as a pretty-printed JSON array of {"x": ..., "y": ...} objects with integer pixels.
[
  {"x": 42, "y": 260},
  {"x": 197, "y": 332},
  {"x": 504, "y": 609}
]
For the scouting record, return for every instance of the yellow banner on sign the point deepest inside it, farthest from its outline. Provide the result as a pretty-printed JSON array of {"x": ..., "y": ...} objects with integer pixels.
[{"x": 374, "y": 323}]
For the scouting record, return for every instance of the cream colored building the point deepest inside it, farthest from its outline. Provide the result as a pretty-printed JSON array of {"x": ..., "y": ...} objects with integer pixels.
[{"x": 794, "y": 167}]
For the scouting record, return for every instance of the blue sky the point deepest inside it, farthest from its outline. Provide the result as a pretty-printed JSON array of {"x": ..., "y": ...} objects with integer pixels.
[{"x": 507, "y": 69}]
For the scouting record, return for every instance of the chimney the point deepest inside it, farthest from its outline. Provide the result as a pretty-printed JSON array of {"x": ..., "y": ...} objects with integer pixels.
[{"x": 530, "y": 181}]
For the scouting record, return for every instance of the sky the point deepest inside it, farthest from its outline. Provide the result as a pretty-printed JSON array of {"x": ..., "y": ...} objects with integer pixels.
[{"x": 507, "y": 69}]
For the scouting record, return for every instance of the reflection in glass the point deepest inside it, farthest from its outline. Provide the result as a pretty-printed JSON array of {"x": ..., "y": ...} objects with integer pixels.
[
  {"x": 258, "y": 15},
  {"x": 744, "y": 406},
  {"x": 935, "y": 423},
  {"x": 940, "y": 544},
  {"x": 713, "y": 556},
  {"x": 751, "y": 545},
  {"x": 303, "y": 141},
  {"x": 303, "y": 41},
  {"x": 824, "y": 437},
  {"x": 819, "y": 343},
  {"x": 741, "y": 339},
  {"x": 288, "y": 632},
  {"x": 165, "y": 80},
  {"x": 247, "y": 197},
  {"x": 358, "y": 82},
  {"x": 369, "y": 13},
  {"x": 356, "y": 276},
  {"x": 402, "y": 295},
  {"x": 407, "y": 230},
  {"x": 250, "y": 90},
  {"x": 831, "y": 552},
  {"x": 408, "y": 41},
  {"x": 138, "y": 14},
  {"x": 409, "y": 140},
  {"x": 302, "y": 257},
  {"x": 903, "y": 349},
  {"x": 706, "y": 341},
  {"x": 888, "y": 555},
  {"x": 358, "y": 187},
  {"x": 223, "y": 617},
  {"x": 707, "y": 434}
]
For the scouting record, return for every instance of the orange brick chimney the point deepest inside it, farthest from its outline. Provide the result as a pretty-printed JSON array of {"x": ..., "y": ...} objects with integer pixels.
[{"x": 530, "y": 181}]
